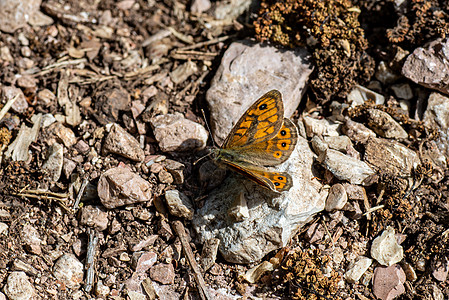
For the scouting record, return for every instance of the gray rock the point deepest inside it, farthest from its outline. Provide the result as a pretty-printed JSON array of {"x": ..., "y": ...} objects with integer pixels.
[
  {"x": 69, "y": 270},
  {"x": 340, "y": 143},
  {"x": 163, "y": 273},
  {"x": 319, "y": 145},
  {"x": 209, "y": 253},
  {"x": 320, "y": 127},
  {"x": 31, "y": 239},
  {"x": 184, "y": 71},
  {"x": 63, "y": 134},
  {"x": 199, "y": 6},
  {"x": 384, "y": 74},
  {"x": 230, "y": 10},
  {"x": 120, "y": 142},
  {"x": 179, "y": 204},
  {"x": 391, "y": 157},
  {"x": 345, "y": 167},
  {"x": 437, "y": 115},
  {"x": 273, "y": 218},
  {"x": 119, "y": 186},
  {"x": 357, "y": 132},
  {"x": 357, "y": 269},
  {"x": 176, "y": 133},
  {"x": 20, "y": 105},
  {"x": 18, "y": 287},
  {"x": 384, "y": 125},
  {"x": 402, "y": 91},
  {"x": 429, "y": 65},
  {"x": 143, "y": 261},
  {"x": 385, "y": 248},
  {"x": 94, "y": 216},
  {"x": 14, "y": 14},
  {"x": 54, "y": 162},
  {"x": 337, "y": 198},
  {"x": 388, "y": 282},
  {"x": 241, "y": 80},
  {"x": 440, "y": 269},
  {"x": 176, "y": 169}
]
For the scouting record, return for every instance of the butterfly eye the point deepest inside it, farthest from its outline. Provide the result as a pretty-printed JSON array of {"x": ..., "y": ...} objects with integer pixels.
[
  {"x": 263, "y": 106},
  {"x": 283, "y": 132},
  {"x": 277, "y": 184},
  {"x": 281, "y": 178},
  {"x": 277, "y": 153},
  {"x": 284, "y": 144}
]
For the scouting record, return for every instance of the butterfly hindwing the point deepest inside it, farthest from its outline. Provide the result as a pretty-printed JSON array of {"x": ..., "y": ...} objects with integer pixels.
[
  {"x": 275, "y": 181},
  {"x": 261, "y": 122}
]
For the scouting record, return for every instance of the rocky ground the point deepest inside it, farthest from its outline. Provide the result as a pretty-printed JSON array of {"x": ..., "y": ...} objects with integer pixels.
[{"x": 101, "y": 127}]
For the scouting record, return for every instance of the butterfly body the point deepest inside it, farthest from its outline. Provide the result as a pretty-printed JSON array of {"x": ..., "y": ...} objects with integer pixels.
[{"x": 261, "y": 138}]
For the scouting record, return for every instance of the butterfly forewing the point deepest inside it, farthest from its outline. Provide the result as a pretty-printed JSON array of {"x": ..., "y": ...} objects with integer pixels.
[
  {"x": 261, "y": 122},
  {"x": 271, "y": 152}
]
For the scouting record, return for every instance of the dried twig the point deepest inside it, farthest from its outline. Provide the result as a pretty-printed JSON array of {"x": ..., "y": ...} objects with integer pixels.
[
  {"x": 80, "y": 192},
  {"x": 59, "y": 65},
  {"x": 46, "y": 195},
  {"x": 90, "y": 260},
  {"x": 373, "y": 209},
  {"x": 8, "y": 106},
  {"x": 179, "y": 228},
  {"x": 206, "y": 43}
]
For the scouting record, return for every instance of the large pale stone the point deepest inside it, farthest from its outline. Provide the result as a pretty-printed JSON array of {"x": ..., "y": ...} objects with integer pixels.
[
  {"x": 273, "y": 218},
  {"x": 247, "y": 71}
]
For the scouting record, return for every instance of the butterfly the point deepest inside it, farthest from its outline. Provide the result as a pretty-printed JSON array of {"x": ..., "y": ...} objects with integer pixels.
[{"x": 262, "y": 137}]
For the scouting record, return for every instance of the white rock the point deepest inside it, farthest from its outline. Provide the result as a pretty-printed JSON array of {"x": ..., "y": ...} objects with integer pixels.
[
  {"x": 320, "y": 127},
  {"x": 176, "y": 133},
  {"x": 359, "y": 95},
  {"x": 270, "y": 215},
  {"x": 18, "y": 287},
  {"x": 179, "y": 204},
  {"x": 345, "y": 167},
  {"x": 3, "y": 228},
  {"x": 357, "y": 269},
  {"x": 69, "y": 270},
  {"x": 385, "y": 248},
  {"x": 241, "y": 80},
  {"x": 239, "y": 208}
]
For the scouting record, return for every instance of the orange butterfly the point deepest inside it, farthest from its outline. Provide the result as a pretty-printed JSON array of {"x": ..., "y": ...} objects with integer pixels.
[{"x": 262, "y": 137}]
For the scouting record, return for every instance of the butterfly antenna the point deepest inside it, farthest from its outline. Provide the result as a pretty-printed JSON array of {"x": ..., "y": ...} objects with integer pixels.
[
  {"x": 201, "y": 158},
  {"x": 208, "y": 128}
]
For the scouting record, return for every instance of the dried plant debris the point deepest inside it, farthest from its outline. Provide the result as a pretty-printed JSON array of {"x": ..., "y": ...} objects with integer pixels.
[
  {"x": 307, "y": 275},
  {"x": 331, "y": 30},
  {"x": 419, "y": 21}
]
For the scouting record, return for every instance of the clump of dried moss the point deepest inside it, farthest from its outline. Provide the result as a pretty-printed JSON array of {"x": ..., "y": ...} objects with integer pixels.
[
  {"x": 303, "y": 271},
  {"x": 331, "y": 31},
  {"x": 421, "y": 21}
]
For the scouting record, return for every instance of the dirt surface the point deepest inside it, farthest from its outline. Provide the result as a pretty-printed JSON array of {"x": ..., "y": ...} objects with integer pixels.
[{"x": 106, "y": 79}]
